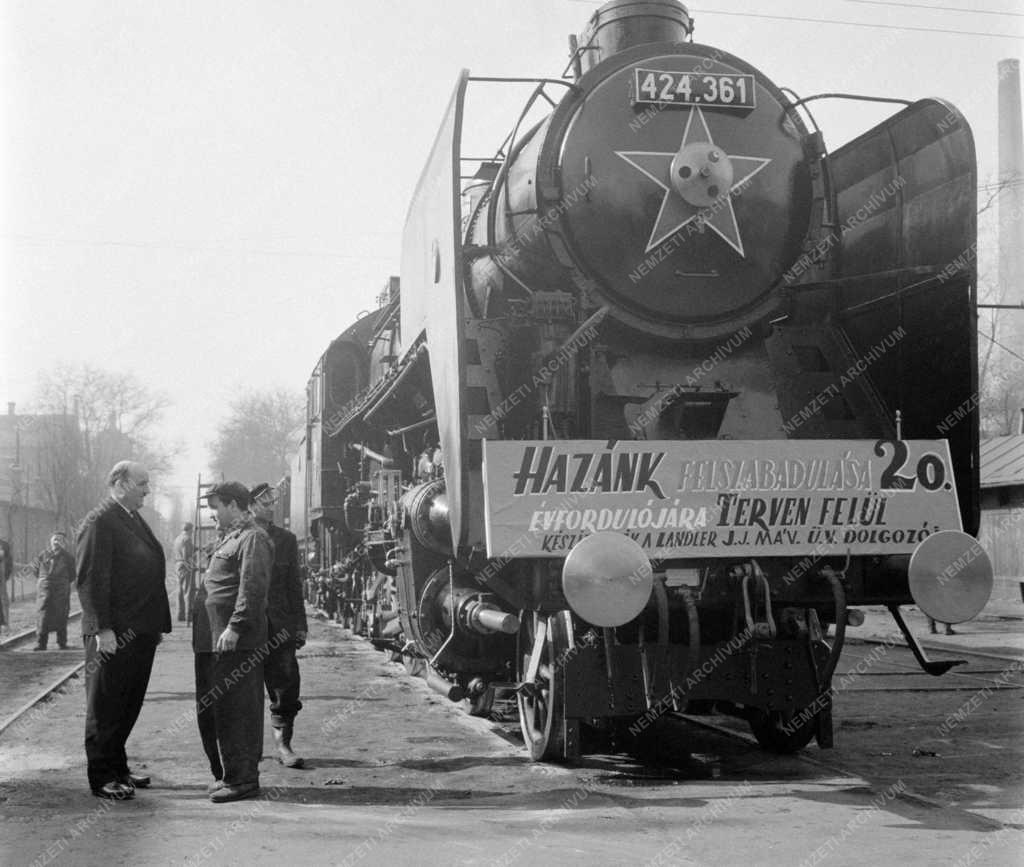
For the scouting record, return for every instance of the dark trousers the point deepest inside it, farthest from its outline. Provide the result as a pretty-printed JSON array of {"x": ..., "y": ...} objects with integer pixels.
[
  {"x": 115, "y": 686},
  {"x": 281, "y": 676},
  {"x": 43, "y": 637},
  {"x": 186, "y": 595},
  {"x": 229, "y": 711}
]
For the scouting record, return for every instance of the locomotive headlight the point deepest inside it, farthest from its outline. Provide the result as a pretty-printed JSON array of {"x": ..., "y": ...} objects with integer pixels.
[
  {"x": 607, "y": 579},
  {"x": 950, "y": 576}
]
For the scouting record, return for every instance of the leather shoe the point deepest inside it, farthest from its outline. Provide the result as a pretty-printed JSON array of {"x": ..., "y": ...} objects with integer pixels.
[
  {"x": 234, "y": 793},
  {"x": 136, "y": 781},
  {"x": 114, "y": 790}
]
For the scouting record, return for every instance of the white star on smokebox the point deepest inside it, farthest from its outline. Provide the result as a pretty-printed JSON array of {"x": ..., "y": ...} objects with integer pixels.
[{"x": 675, "y": 211}]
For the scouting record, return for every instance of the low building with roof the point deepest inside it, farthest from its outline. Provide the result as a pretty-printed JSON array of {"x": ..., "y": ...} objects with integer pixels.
[{"x": 1002, "y": 514}]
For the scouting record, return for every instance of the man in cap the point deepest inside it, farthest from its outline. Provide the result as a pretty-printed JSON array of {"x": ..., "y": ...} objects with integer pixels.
[
  {"x": 286, "y": 616},
  {"x": 229, "y": 637},
  {"x": 54, "y": 570},
  {"x": 183, "y": 551},
  {"x": 121, "y": 576}
]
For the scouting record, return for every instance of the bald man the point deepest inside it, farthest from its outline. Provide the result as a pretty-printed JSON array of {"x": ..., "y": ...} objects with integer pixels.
[{"x": 120, "y": 575}]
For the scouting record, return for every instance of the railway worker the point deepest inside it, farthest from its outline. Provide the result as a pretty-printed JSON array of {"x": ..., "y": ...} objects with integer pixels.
[
  {"x": 229, "y": 637},
  {"x": 122, "y": 588},
  {"x": 286, "y": 622},
  {"x": 6, "y": 570},
  {"x": 183, "y": 551},
  {"x": 54, "y": 570}
]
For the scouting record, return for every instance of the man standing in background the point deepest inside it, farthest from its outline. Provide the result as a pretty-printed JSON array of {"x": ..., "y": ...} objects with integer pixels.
[
  {"x": 286, "y": 617},
  {"x": 183, "y": 552},
  {"x": 54, "y": 570},
  {"x": 6, "y": 570},
  {"x": 122, "y": 587}
]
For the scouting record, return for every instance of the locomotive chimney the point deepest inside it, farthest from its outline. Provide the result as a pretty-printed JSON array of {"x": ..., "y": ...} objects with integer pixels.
[{"x": 622, "y": 24}]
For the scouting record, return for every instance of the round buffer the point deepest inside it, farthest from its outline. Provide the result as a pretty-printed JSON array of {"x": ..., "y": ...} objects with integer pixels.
[
  {"x": 607, "y": 579},
  {"x": 950, "y": 576}
]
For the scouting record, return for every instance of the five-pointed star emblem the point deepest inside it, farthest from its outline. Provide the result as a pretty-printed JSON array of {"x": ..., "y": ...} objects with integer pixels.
[{"x": 675, "y": 211}]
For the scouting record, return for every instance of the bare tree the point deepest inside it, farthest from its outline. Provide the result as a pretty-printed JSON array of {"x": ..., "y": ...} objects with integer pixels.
[
  {"x": 1001, "y": 393},
  {"x": 252, "y": 442},
  {"x": 89, "y": 419}
]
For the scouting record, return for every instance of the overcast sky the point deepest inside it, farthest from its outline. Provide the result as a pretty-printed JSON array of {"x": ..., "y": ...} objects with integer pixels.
[{"x": 207, "y": 193}]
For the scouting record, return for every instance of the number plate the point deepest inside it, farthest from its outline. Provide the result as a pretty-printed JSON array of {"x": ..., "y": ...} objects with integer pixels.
[{"x": 663, "y": 87}]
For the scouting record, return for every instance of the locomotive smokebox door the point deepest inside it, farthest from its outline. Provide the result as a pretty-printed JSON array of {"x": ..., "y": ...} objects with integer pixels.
[{"x": 698, "y": 187}]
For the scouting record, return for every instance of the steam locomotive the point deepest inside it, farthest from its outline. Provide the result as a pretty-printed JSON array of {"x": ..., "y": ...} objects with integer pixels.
[{"x": 655, "y": 400}]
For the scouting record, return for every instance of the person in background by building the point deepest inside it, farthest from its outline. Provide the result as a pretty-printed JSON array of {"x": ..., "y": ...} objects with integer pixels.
[
  {"x": 54, "y": 570},
  {"x": 934, "y": 631},
  {"x": 6, "y": 570},
  {"x": 286, "y": 620},
  {"x": 229, "y": 638},
  {"x": 122, "y": 585},
  {"x": 183, "y": 552}
]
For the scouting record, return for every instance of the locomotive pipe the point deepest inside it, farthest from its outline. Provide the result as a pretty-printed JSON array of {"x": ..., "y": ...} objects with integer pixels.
[
  {"x": 839, "y": 599},
  {"x": 371, "y": 454},
  {"x": 442, "y": 686}
]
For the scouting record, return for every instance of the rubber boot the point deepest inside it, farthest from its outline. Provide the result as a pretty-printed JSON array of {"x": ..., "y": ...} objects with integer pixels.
[{"x": 283, "y": 739}]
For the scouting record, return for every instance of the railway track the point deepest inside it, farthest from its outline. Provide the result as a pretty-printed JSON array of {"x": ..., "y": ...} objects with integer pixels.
[
  {"x": 29, "y": 680},
  {"x": 26, "y": 636},
  {"x": 42, "y": 696}
]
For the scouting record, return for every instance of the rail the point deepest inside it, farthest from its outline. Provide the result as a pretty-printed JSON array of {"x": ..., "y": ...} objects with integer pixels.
[{"x": 19, "y": 639}]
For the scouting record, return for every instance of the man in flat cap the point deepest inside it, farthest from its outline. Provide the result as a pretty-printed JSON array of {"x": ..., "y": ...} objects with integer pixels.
[
  {"x": 121, "y": 575},
  {"x": 183, "y": 552},
  {"x": 286, "y": 616},
  {"x": 229, "y": 637}
]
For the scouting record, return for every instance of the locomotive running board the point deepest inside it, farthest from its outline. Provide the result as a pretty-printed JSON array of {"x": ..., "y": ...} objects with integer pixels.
[{"x": 934, "y": 667}]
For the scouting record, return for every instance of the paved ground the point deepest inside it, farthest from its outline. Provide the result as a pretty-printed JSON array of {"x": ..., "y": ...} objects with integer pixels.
[{"x": 399, "y": 776}]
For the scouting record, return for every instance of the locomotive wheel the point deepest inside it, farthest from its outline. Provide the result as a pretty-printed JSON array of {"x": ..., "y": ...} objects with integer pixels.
[
  {"x": 782, "y": 733},
  {"x": 543, "y": 641}
]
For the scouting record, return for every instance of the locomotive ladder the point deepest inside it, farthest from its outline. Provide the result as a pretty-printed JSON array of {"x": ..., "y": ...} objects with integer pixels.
[{"x": 203, "y": 534}]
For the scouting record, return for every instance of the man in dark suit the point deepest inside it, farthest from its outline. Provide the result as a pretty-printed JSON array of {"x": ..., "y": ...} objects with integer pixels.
[{"x": 120, "y": 576}]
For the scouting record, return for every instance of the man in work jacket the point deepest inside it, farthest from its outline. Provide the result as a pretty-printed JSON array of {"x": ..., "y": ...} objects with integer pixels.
[{"x": 229, "y": 637}]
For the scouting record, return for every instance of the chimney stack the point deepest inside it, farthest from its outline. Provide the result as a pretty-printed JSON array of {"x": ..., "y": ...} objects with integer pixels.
[{"x": 1011, "y": 197}]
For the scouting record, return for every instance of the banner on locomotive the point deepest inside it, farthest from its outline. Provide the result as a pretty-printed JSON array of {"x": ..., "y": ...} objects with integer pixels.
[{"x": 718, "y": 499}]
